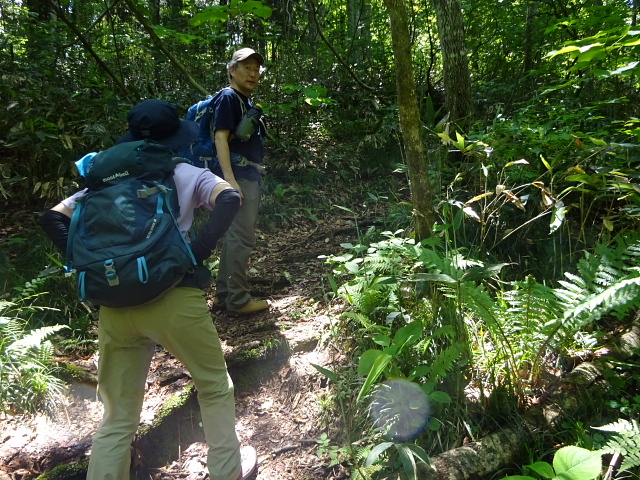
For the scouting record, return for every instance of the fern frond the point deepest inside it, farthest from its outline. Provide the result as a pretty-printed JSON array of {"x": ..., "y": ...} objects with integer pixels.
[
  {"x": 619, "y": 298},
  {"x": 531, "y": 305},
  {"x": 444, "y": 362},
  {"x": 625, "y": 442},
  {"x": 362, "y": 319},
  {"x": 482, "y": 305},
  {"x": 5, "y": 305},
  {"x": 382, "y": 265},
  {"x": 361, "y": 453},
  {"x": 34, "y": 339},
  {"x": 620, "y": 426},
  {"x": 11, "y": 329},
  {"x": 575, "y": 290},
  {"x": 607, "y": 275},
  {"x": 45, "y": 353}
]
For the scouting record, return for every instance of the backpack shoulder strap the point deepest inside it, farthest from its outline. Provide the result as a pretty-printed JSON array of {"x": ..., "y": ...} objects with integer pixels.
[
  {"x": 243, "y": 107},
  {"x": 73, "y": 229}
]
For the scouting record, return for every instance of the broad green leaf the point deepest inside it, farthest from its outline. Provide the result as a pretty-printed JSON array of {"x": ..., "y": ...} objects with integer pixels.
[
  {"x": 376, "y": 370},
  {"x": 420, "y": 371},
  {"x": 542, "y": 468},
  {"x": 326, "y": 372},
  {"x": 352, "y": 267},
  {"x": 629, "y": 68},
  {"x": 439, "y": 397},
  {"x": 588, "y": 179},
  {"x": 376, "y": 452},
  {"x": 333, "y": 283},
  {"x": 478, "y": 273},
  {"x": 630, "y": 43},
  {"x": 577, "y": 463},
  {"x": 434, "y": 424},
  {"x": 409, "y": 334},
  {"x": 385, "y": 281},
  {"x": 586, "y": 48},
  {"x": 408, "y": 462},
  {"x": 599, "y": 142},
  {"x": 419, "y": 453},
  {"x": 255, "y": 7},
  {"x": 367, "y": 360},
  {"x": 431, "y": 277},
  {"x": 213, "y": 14},
  {"x": 315, "y": 91},
  {"x": 569, "y": 49},
  {"x": 557, "y": 217},
  {"x": 382, "y": 340}
]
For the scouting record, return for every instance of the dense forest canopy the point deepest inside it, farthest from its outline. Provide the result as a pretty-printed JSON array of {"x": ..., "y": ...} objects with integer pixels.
[
  {"x": 71, "y": 69},
  {"x": 501, "y": 135}
]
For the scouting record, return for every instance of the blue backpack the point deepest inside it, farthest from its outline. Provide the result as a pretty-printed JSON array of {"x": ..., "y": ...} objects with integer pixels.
[
  {"x": 124, "y": 243},
  {"x": 200, "y": 152}
]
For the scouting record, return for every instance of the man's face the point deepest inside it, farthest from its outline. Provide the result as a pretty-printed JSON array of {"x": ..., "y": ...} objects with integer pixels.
[{"x": 245, "y": 76}]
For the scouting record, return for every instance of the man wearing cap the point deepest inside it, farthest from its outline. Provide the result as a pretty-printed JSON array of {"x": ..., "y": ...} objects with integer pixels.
[
  {"x": 179, "y": 320},
  {"x": 232, "y": 285}
]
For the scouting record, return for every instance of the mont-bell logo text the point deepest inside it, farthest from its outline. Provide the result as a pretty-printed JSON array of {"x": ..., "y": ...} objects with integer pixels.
[
  {"x": 116, "y": 175},
  {"x": 152, "y": 228}
]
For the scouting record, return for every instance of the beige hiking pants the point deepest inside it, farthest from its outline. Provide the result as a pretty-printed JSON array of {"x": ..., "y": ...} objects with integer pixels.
[{"x": 179, "y": 321}]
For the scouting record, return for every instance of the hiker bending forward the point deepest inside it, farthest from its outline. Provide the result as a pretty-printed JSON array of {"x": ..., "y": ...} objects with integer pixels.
[{"x": 179, "y": 320}]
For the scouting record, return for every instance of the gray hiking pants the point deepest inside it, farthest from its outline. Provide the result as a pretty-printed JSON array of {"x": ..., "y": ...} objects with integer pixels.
[{"x": 239, "y": 241}]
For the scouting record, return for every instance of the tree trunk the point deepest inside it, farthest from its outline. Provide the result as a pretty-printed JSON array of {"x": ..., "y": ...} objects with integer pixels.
[
  {"x": 421, "y": 195},
  {"x": 359, "y": 15},
  {"x": 532, "y": 13},
  {"x": 457, "y": 80}
]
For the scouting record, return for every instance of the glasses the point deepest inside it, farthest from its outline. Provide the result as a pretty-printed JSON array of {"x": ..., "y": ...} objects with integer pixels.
[{"x": 252, "y": 68}]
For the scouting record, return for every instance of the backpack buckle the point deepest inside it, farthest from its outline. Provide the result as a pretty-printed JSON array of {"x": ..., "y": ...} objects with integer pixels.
[{"x": 110, "y": 273}]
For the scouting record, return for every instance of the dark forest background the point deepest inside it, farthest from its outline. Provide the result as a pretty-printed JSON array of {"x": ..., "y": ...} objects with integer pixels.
[{"x": 496, "y": 143}]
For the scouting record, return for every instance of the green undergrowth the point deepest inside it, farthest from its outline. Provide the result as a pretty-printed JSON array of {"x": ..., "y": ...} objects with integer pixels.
[{"x": 444, "y": 349}]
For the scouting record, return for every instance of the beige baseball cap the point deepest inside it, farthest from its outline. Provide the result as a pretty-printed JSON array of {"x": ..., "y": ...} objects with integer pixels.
[{"x": 245, "y": 53}]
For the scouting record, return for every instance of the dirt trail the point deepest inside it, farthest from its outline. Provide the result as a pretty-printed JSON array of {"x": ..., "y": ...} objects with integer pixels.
[{"x": 270, "y": 355}]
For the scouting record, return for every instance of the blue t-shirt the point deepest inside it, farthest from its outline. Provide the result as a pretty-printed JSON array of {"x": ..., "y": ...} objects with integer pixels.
[{"x": 227, "y": 114}]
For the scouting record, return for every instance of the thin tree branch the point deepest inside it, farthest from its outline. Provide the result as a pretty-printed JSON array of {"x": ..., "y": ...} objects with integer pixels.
[
  {"x": 60, "y": 14},
  {"x": 158, "y": 43},
  {"x": 96, "y": 21},
  {"x": 333, "y": 50}
]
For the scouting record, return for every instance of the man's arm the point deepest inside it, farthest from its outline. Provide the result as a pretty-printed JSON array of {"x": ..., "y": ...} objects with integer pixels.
[{"x": 221, "y": 139}]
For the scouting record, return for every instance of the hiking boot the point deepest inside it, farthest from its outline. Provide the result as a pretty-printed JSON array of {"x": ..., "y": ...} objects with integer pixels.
[
  {"x": 249, "y": 462},
  {"x": 251, "y": 306},
  {"x": 218, "y": 303}
]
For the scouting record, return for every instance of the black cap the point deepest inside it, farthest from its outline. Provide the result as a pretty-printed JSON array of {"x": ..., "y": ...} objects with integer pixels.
[{"x": 159, "y": 120}]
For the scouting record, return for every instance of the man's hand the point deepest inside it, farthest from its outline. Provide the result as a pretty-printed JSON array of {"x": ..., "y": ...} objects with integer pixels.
[{"x": 235, "y": 185}]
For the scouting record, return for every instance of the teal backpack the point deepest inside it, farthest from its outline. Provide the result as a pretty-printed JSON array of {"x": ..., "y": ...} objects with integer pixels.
[{"x": 124, "y": 244}]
